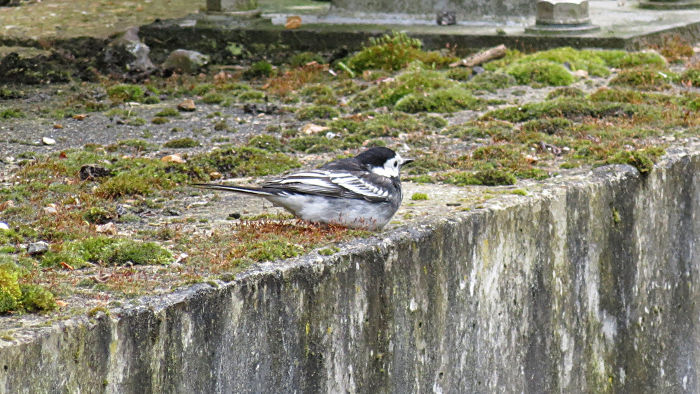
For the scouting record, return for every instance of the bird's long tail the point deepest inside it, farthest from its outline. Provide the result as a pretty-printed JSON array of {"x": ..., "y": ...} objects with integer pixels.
[{"x": 233, "y": 188}]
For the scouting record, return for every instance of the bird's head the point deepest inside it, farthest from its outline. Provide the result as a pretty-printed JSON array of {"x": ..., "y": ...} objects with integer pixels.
[{"x": 383, "y": 161}]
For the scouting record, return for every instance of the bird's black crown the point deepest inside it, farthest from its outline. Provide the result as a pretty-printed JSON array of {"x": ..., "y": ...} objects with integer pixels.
[{"x": 376, "y": 157}]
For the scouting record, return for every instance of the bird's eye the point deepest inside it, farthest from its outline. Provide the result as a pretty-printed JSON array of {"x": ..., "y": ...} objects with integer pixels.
[{"x": 396, "y": 164}]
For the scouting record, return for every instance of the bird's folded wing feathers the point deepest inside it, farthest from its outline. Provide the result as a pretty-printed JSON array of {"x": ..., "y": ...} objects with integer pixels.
[{"x": 353, "y": 184}]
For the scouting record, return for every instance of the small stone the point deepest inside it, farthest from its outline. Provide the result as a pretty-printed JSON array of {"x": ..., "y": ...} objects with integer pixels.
[
  {"x": 185, "y": 61},
  {"x": 171, "y": 212},
  {"x": 107, "y": 228},
  {"x": 261, "y": 109},
  {"x": 313, "y": 129},
  {"x": 57, "y": 126},
  {"x": 478, "y": 70},
  {"x": 235, "y": 215},
  {"x": 445, "y": 18},
  {"x": 48, "y": 141},
  {"x": 187, "y": 106},
  {"x": 580, "y": 74},
  {"x": 214, "y": 175},
  {"x": 50, "y": 209},
  {"x": 173, "y": 159},
  {"x": 37, "y": 248},
  {"x": 121, "y": 210},
  {"x": 4, "y": 226},
  {"x": 92, "y": 171}
]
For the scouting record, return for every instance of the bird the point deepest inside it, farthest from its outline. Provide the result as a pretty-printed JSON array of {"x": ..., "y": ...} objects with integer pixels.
[{"x": 362, "y": 192}]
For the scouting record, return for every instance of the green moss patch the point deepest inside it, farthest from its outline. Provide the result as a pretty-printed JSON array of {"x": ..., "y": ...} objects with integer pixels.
[
  {"x": 107, "y": 251},
  {"x": 491, "y": 177},
  {"x": 265, "y": 142},
  {"x": 645, "y": 78},
  {"x": 125, "y": 92},
  {"x": 691, "y": 76},
  {"x": 168, "y": 113},
  {"x": 259, "y": 69},
  {"x": 624, "y": 59},
  {"x": 9, "y": 113},
  {"x": 313, "y": 144},
  {"x": 481, "y": 129},
  {"x": 393, "y": 52},
  {"x": 643, "y": 159},
  {"x": 317, "y": 112},
  {"x": 441, "y": 100},
  {"x": 182, "y": 143},
  {"x": 540, "y": 71},
  {"x": 565, "y": 108},
  {"x": 21, "y": 297},
  {"x": 245, "y": 161},
  {"x": 566, "y": 92},
  {"x": 419, "y": 196},
  {"x": 491, "y": 81}
]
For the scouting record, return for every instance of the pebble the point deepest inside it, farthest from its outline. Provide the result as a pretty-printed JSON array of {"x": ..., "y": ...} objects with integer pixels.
[
  {"x": 37, "y": 248},
  {"x": 171, "y": 212},
  {"x": 50, "y": 209},
  {"x": 187, "y": 106},
  {"x": 122, "y": 210},
  {"x": 48, "y": 141},
  {"x": 4, "y": 226}
]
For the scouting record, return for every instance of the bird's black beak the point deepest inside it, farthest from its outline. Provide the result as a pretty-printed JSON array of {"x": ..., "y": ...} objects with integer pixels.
[{"x": 406, "y": 161}]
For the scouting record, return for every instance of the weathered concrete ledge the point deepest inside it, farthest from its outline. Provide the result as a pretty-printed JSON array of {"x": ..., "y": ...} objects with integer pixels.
[{"x": 590, "y": 284}]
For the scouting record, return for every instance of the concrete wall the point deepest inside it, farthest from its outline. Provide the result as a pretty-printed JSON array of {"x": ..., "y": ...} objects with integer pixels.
[
  {"x": 589, "y": 285},
  {"x": 469, "y": 10}
]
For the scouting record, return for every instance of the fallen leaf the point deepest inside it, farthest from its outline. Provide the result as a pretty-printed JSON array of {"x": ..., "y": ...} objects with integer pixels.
[
  {"x": 313, "y": 129},
  {"x": 173, "y": 159},
  {"x": 293, "y": 22},
  {"x": 107, "y": 228},
  {"x": 79, "y": 116}
]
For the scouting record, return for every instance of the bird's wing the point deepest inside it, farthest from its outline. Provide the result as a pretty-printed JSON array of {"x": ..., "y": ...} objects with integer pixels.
[{"x": 350, "y": 184}]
